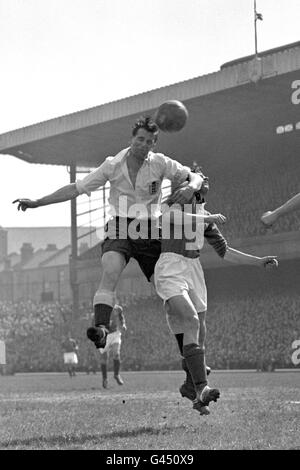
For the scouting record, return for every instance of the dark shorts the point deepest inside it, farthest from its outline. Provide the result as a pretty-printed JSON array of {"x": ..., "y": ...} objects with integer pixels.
[{"x": 146, "y": 251}]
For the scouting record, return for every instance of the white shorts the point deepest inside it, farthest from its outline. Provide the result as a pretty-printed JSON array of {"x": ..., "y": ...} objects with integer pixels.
[
  {"x": 70, "y": 358},
  {"x": 112, "y": 338},
  {"x": 175, "y": 274}
]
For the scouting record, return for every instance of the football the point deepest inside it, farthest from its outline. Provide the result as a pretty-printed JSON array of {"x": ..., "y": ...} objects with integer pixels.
[{"x": 171, "y": 116}]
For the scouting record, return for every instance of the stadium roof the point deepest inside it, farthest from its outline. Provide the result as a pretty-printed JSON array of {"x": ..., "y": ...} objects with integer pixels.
[{"x": 248, "y": 99}]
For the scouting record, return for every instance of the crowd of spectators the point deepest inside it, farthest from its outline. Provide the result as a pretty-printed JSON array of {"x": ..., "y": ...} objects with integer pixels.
[
  {"x": 32, "y": 333},
  {"x": 255, "y": 331},
  {"x": 243, "y": 194}
]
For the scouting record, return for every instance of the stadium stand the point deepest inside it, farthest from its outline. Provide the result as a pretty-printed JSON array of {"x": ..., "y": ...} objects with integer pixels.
[{"x": 245, "y": 193}]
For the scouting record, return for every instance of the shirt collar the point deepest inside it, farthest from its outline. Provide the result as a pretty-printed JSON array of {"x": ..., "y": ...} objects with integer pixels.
[{"x": 147, "y": 159}]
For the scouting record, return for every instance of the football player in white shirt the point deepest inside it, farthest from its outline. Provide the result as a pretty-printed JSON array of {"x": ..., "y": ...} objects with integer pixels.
[
  {"x": 135, "y": 175},
  {"x": 113, "y": 345}
]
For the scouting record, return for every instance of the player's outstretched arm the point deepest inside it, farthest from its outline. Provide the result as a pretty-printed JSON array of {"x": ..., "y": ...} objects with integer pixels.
[
  {"x": 65, "y": 193},
  {"x": 270, "y": 217},
  {"x": 215, "y": 218},
  {"x": 182, "y": 217},
  {"x": 208, "y": 218},
  {"x": 238, "y": 257}
]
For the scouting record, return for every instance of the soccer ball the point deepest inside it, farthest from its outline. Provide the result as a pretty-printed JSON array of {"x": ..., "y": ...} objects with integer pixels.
[{"x": 171, "y": 116}]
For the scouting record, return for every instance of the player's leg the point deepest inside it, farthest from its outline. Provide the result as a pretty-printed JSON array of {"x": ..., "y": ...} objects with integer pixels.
[
  {"x": 202, "y": 329},
  {"x": 67, "y": 363},
  {"x": 183, "y": 315},
  {"x": 169, "y": 279},
  {"x": 103, "y": 365},
  {"x": 116, "y": 350},
  {"x": 187, "y": 389},
  {"x": 207, "y": 394},
  {"x": 198, "y": 295},
  {"x": 74, "y": 364},
  {"x": 202, "y": 336},
  {"x": 113, "y": 264}
]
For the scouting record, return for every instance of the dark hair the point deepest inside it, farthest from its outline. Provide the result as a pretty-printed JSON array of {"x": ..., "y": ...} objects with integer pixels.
[
  {"x": 195, "y": 168},
  {"x": 147, "y": 123}
]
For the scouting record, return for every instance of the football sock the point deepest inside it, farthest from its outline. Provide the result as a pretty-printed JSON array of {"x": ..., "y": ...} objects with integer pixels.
[
  {"x": 195, "y": 361},
  {"x": 117, "y": 364},
  {"x": 104, "y": 371},
  {"x": 188, "y": 379}
]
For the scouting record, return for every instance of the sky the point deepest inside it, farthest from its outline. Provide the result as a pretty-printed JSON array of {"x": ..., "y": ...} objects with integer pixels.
[{"x": 63, "y": 56}]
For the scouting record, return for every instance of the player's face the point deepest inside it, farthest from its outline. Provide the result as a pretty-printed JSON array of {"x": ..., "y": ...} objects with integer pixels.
[
  {"x": 205, "y": 185},
  {"x": 142, "y": 143}
]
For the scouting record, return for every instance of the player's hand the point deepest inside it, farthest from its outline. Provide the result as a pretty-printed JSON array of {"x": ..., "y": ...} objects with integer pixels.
[
  {"x": 124, "y": 327},
  {"x": 268, "y": 219},
  {"x": 269, "y": 262},
  {"x": 182, "y": 195},
  {"x": 24, "y": 204},
  {"x": 216, "y": 218}
]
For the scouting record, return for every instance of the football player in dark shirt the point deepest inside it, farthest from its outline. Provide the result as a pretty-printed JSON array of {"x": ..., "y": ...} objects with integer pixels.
[{"x": 180, "y": 282}]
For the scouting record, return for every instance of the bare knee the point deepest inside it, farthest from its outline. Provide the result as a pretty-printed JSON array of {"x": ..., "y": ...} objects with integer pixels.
[
  {"x": 115, "y": 351},
  {"x": 183, "y": 318},
  {"x": 103, "y": 357},
  {"x": 192, "y": 325}
]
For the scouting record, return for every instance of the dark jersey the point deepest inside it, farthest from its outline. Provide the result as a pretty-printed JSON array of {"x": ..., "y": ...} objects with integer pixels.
[
  {"x": 70, "y": 345},
  {"x": 186, "y": 236}
]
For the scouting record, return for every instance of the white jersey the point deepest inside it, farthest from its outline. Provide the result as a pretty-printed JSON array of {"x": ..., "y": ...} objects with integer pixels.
[{"x": 142, "y": 201}]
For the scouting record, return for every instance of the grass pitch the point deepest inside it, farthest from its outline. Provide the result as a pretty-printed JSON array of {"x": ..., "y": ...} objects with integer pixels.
[{"x": 53, "y": 411}]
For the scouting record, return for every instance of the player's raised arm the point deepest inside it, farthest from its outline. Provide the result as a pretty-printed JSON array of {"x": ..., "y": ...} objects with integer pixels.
[
  {"x": 269, "y": 217},
  {"x": 238, "y": 257},
  {"x": 65, "y": 193}
]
